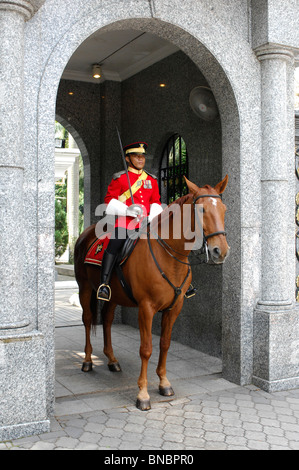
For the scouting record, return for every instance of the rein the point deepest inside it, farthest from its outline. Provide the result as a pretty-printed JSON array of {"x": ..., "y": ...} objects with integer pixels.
[{"x": 166, "y": 247}]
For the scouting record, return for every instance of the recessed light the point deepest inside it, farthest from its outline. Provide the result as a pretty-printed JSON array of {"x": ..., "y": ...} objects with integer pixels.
[
  {"x": 71, "y": 93},
  {"x": 162, "y": 85}
]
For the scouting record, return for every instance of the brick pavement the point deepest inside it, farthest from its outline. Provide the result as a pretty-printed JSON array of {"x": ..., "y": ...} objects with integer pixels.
[{"x": 96, "y": 411}]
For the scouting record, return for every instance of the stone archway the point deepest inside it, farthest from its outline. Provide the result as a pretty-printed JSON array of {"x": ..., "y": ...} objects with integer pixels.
[
  {"x": 85, "y": 157},
  {"x": 240, "y": 128}
]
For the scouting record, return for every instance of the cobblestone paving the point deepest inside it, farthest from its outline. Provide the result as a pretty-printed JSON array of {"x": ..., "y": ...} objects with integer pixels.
[
  {"x": 238, "y": 419},
  {"x": 96, "y": 411}
]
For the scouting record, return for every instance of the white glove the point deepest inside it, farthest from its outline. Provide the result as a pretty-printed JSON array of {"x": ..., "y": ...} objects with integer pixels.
[
  {"x": 155, "y": 210},
  {"x": 116, "y": 207},
  {"x": 134, "y": 211}
]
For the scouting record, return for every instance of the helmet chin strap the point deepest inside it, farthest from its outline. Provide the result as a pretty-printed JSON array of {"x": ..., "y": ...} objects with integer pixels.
[{"x": 131, "y": 163}]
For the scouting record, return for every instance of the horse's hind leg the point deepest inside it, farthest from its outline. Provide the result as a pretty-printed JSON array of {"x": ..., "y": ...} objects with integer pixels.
[
  {"x": 108, "y": 316},
  {"x": 168, "y": 319},
  {"x": 85, "y": 296}
]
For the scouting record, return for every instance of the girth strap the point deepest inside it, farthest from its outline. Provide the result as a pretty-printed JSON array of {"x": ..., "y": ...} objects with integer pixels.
[
  {"x": 124, "y": 283},
  {"x": 123, "y": 256},
  {"x": 177, "y": 290}
]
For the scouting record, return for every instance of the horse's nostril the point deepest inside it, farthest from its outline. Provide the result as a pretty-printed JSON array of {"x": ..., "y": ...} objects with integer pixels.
[{"x": 216, "y": 252}]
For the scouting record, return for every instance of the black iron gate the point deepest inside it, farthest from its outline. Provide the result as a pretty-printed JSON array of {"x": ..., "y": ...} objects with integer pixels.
[{"x": 174, "y": 165}]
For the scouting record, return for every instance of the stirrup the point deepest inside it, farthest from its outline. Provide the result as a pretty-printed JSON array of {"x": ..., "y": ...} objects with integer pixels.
[
  {"x": 99, "y": 295},
  {"x": 190, "y": 292}
]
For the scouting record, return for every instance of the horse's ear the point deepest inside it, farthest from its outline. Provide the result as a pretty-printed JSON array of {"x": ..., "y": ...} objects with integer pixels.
[
  {"x": 220, "y": 187},
  {"x": 191, "y": 186}
]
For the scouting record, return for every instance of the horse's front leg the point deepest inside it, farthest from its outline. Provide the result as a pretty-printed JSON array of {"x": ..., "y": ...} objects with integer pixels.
[
  {"x": 107, "y": 313},
  {"x": 145, "y": 319},
  {"x": 168, "y": 320}
]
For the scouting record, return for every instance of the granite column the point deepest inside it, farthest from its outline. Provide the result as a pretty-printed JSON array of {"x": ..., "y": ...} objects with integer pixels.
[
  {"x": 12, "y": 20},
  {"x": 22, "y": 372},
  {"x": 276, "y": 320}
]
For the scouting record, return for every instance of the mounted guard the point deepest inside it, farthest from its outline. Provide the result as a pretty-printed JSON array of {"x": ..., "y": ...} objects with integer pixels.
[
  {"x": 132, "y": 195},
  {"x": 159, "y": 275},
  {"x": 156, "y": 276}
]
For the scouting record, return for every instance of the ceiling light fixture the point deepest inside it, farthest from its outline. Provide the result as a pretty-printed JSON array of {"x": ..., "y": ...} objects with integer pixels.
[
  {"x": 96, "y": 71},
  {"x": 162, "y": 85}
]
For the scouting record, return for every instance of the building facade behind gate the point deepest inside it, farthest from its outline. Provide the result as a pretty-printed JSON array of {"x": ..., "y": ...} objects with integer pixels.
[{"x": 245, "y": 52}]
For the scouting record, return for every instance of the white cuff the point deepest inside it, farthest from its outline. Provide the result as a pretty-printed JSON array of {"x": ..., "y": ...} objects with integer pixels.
[{"x": 155, "y": 210}]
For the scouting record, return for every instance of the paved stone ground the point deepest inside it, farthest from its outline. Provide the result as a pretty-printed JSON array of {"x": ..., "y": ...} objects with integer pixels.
[{"x": 96, "y": 411}]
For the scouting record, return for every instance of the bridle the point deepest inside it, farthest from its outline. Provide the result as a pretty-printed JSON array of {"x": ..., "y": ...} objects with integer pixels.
[
  {"x": 166, "y": 247},
  {"x": 204, "y": 247},
  {"x": 221, "y": 232}
]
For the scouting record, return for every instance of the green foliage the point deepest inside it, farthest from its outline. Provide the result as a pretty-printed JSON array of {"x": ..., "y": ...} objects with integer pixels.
[
  {"x": 61, "y": 230},
  {"x": 81, "y": 195},
  {"x": 61, "y": 133},
  {"x": 177, "y": 168}
]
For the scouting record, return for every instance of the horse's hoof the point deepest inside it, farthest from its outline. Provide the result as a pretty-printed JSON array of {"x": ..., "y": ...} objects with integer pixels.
[
  {"x": 166, "y": 391},
  {"x": 114, "y": 367},
  {"x": 143, "y": 405},
  {"x": 86, "y": 366}
]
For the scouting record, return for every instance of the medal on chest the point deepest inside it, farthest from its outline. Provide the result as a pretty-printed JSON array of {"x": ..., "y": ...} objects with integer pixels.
[{"x": 147, "y": 184}]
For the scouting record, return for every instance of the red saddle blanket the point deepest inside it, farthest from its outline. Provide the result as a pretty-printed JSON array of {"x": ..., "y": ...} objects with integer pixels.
[{"x": 96, "y": 250}]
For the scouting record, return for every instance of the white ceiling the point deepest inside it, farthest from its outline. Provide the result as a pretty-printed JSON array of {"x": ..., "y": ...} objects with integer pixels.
[{"x": 122, "y": 54}]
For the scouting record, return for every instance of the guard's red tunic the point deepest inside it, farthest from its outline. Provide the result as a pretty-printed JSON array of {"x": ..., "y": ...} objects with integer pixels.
[{"x": 145, "y": 192}]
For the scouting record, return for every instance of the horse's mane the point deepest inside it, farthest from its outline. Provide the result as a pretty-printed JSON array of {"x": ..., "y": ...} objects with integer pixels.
[
  {"x": 183, "y": 199},
  {"x": 166, "y": 213},
  {"x": 180, "y": 202}
]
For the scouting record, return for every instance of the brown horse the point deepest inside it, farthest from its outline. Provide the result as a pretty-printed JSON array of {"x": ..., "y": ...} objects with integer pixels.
[{"x": 158, "y": 273}]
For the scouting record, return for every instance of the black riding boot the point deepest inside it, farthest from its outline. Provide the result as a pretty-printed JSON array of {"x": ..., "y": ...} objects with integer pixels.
[{"x": 104, "y": 291}]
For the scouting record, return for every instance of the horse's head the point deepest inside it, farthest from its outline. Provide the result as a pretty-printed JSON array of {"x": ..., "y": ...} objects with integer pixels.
[{"x": 212, "y": 217}]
